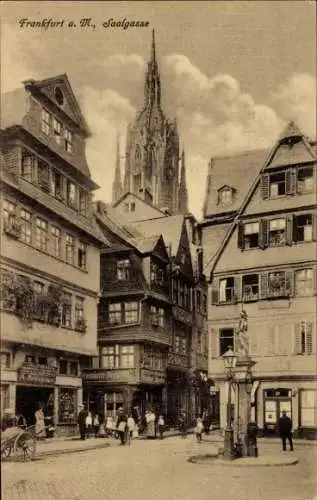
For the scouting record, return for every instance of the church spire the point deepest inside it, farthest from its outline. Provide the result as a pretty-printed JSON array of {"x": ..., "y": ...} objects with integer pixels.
[
  {"x": 117, "y": 185},
  {"x": 152, "y": 89},
  {"x": 183, "y": 193}
]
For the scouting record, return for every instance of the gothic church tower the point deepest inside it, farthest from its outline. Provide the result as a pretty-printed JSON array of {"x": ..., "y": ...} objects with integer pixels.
[{"x": 152, "y": 151}]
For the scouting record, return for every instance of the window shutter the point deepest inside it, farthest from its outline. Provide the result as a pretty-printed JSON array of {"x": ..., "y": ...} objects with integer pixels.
[
  {"x": 215, "y": 293},
  {"x": 264, "y": 233},
  {"x": 214, "y": 342},
  {"x": 264, "y": 285},
  {"x": 240, "y": 235},
  {"x": 265, "y": 186},
  {"x": 291, "y": 176},
  {"x": 289, "y": 282},
  {"x": 289, "y": 229},
  {"x": 237, "y": 288},
  {"x": 309, "y": 337},
  {"x": 297, "y": 339},
  {"x": 314, "y": 216}
]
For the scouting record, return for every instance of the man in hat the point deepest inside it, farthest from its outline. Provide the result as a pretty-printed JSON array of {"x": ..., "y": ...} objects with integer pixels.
[
  {"x": 82, "y": 421},
  {"x": 122, "y": 425}
]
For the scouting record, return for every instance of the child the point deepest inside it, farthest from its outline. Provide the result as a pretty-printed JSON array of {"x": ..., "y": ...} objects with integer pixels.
[
  {"x": 161, "y": 424},
  {"x": 199, "y": 429}
]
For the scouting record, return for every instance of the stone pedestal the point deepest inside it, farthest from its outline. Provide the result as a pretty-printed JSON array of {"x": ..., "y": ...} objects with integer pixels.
[{"x": 243, "y": 372}]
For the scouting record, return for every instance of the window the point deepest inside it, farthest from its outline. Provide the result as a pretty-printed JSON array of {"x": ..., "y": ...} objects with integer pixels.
[
  {"x": 67, "y": 406},
  {"x": 132, "y": 207},
  {"x": 41, "y": 234},
  {"x": 127, "y": 356},
  {"x": 304, "y": 282},
  {"x": 277, "y": 285},
  {"x": 115, "y": 314},
  {"x": 277, "y": 184},
  {"x": 56, "y": 241},
  {"x": 57, "y": 184},
  {"x": 27, "y": 166},
  {"x": 251, "y": 235},
  {"x": 303, "y": 338},
  {"x": 303, "y": 228},
  {"x": 123, "y": 269},
  {"x": 67, "y": 310},
  {"x": 158, "y": 275},
  {"x": 46, "y": 122},
  {"x": 152, "y": 358},
  {"x": 181, "y": 345},
  {"x": 57, "y": 130},
  {"x": 71, "y": 194},
  {"x": 42, "y": 360},
  {"x": 63, "y": 365},
  {"x": 5, "y": 359},
  {"x": 73, "y": 368},
  {"x": 70, "y": 249},
  {"x": 110, "y": 357},
  {"x": 9, "y": 209},
  {"x": 225, "y": 196},
  {"x": 276, "y": 232},
  {"x": 157, "y": 316},
  {"x": 131, "y": 310},
  {"x": 250, "y": 286},
  {"x": 305, "y": 180},
  {"x": 82, "y": 202},
  {"x": 82, "y": 255},
  {"x": 226, "y": 340},
  {"x": 226, "y": 290},
  {"x": 137, "y": 183},
  {"x": 68, "y": 140},
  {"x": 80, "y": 323},
  {"x": 26, "y": 226},
  {"x": 7, "y": 296},
  {"x": 43, "y": 175}
]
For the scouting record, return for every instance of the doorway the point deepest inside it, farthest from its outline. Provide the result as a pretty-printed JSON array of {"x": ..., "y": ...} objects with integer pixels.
[
  {"x": 28, "y": 399},
  {"x": 276, "y": 401}
]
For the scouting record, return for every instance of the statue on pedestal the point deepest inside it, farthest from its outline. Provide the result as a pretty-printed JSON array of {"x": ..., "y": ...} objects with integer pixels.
[{"x": 243, "y": 340}]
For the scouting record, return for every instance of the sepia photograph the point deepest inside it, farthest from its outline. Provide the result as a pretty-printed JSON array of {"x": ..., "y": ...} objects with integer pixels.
[{"x": 158, "y": 250}]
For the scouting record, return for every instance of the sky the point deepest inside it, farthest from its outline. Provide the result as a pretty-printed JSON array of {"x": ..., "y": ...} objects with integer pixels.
[{"x": 232, "y": 72}]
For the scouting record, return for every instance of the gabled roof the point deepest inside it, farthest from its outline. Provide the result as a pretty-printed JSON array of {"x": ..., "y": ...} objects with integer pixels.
[
  {"x": 160, "y": 213},
  {"x": 146, "y": 244},
  {"x": 169, "y": 227},
  {"x": 240, "y": 170}
]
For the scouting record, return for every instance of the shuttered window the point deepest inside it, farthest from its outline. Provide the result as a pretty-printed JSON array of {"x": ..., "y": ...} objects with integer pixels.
[
  {"x": 214, "y": 342},
  {"x": 264, "y": 233},
  {"x": 303, "y": 338},
  {"x": 265, "y": 186},
  {"x": 291, "y": 180}
]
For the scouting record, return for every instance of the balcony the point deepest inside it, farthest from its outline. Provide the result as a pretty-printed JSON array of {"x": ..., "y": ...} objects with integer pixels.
[
  {"x": 250, "y": 293},
  {"x": 108, "y": 376}
]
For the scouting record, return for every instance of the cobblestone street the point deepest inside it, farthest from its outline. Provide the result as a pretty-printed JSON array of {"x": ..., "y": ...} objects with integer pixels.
[{"x": 158, "y": 470}]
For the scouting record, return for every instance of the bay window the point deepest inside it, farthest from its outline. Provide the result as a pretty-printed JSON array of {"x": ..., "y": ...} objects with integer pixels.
[
  {"x": 114, "y": 314},
  {"x": 131, "y": 310},
  {"x": 27, "y": 166},
  {"x": 26, "y": 226},
  {"x": 118, "y": 356},
  {"x": 123, "y": 269}
]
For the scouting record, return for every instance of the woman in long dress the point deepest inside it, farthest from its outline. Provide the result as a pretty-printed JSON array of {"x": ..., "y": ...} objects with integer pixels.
[
  {"x": 39, "y": 423},
  {"x": 150, "y": 424}
]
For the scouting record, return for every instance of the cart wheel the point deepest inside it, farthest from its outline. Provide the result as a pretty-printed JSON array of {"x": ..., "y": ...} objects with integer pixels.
[
  {"x": 6, "y": 451},
  {"x": 24, "y": 446}
]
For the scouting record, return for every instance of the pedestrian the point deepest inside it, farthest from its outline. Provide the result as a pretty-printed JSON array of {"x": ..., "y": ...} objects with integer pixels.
[
  {"x": 96, "y": 424},
  {"x": 199, "y": 429},
  {"x": 161, "y": 424},
  {"x": 39, "y": 422},
  {"x": 82, "y": 415},
  {"x": 122, "y": 425},
  {"x": 131, "y": 427},
  {"x": 150, "y": 424},
  {"x": 285, "y": 428},
  {"x": 88, "y": 424},
  {"x": 182, "y": 425}
]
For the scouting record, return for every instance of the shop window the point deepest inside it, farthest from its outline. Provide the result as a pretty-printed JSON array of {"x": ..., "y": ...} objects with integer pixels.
[
  {"x": 277, "y": 232},
  {"x": 46, "y": 122},
  {"x": 303, "y": 228},
  {"x": 56, "y": 240},
  {"x": 226, "y": 340},
  {"x": 67, "y": 310},
  {"x": 82, "y": 255},
  {"x": 308, "y": 408},
  {"x": 25, "y": 226},
  {"x": 67, "y": 406},
  {"x": 123, "y": 269},
  {"x": 63, "y": 365},
  {"x": 250, "y": 287},
  {"x": 27, "y": 166},
  {"x": 304, "y": 282},
  {"x": 70, "y": 249},
  {"x": 226, "y": 290},
  {"x": 305, "y": 180},
  {"x": 41, "y": 234}
]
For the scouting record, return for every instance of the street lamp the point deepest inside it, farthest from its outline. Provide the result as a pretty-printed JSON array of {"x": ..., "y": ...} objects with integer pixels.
[{"x": 230, "y": 359}]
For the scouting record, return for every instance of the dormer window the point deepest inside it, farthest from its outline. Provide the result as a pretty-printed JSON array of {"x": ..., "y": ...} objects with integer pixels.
[{"x": 225, "y": 195}]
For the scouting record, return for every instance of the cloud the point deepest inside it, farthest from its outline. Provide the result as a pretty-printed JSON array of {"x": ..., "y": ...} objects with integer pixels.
[{"x": 296, "y": 100}]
